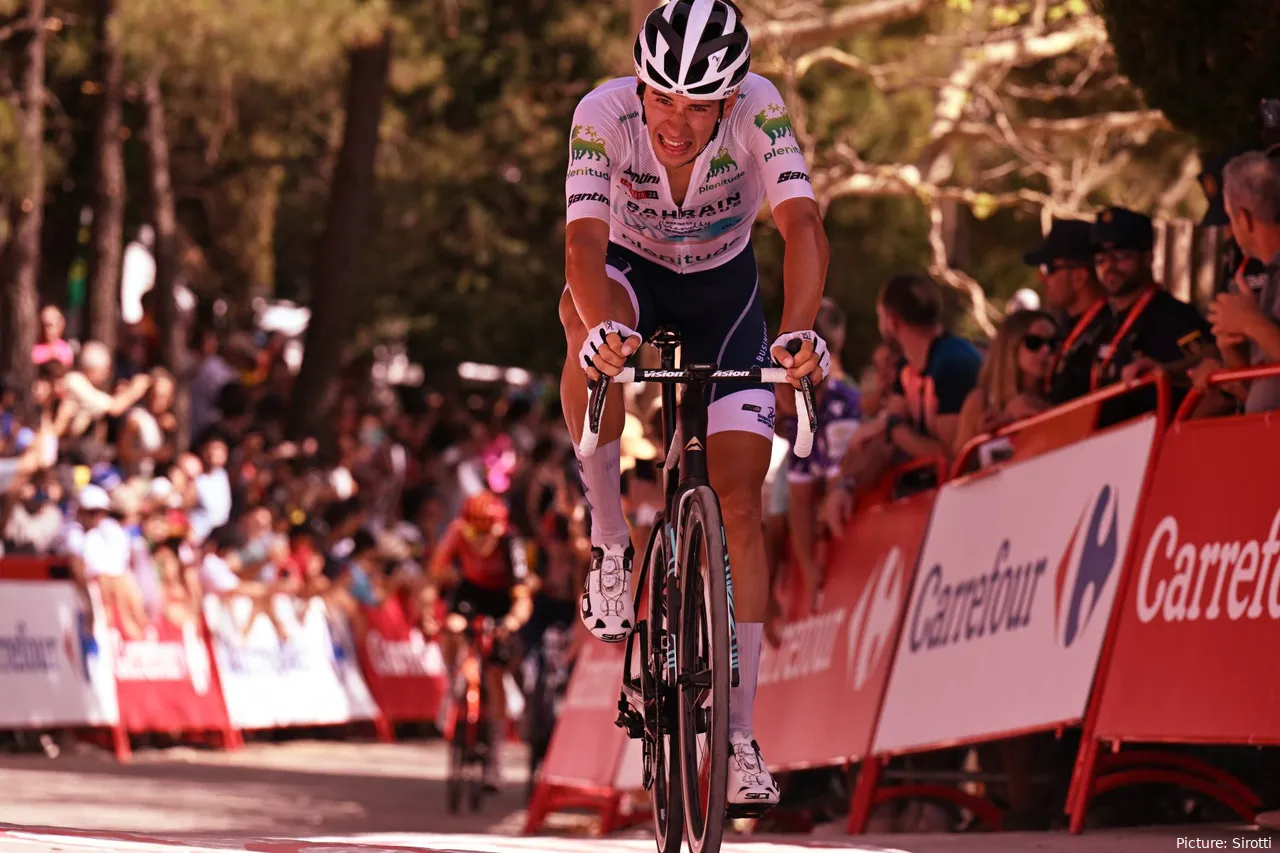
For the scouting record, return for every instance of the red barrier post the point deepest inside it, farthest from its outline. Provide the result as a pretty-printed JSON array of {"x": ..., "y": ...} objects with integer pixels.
[
  {"x": 1202, "y": 487},
  {"x": 1078, "y": 416}
]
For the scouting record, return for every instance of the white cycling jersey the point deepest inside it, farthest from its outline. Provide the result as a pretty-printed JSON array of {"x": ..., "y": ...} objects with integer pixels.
[{"x": 615, "y": 176}]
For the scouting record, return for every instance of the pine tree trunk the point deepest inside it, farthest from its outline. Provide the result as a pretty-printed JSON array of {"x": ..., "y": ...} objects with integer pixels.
[
  {"x": 107, "y": 243},
  {"x": 22, "y": 272},
  {"x": 165, "y": 221},
  {"x": 333, "y": 304}
]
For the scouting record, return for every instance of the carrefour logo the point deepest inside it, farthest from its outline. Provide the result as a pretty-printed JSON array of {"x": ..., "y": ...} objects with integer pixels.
[
  {"x": 1099, "y": 556},
  {"x": 871, "y": 626},
  {"x": 1183, "y": 579},
  {"x": 951, "y": 610}
]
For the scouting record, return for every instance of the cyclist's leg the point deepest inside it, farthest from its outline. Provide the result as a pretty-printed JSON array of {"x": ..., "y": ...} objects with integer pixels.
[
  {"x": 775, "y": 499},
  {"x": 495, "y": 604},
  {"x": 725, "y": 314},
  {"x": 607, "y": 602}
]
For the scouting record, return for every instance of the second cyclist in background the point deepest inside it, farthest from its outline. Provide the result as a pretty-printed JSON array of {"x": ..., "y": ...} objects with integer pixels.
[{"x": 490, "y": 581}]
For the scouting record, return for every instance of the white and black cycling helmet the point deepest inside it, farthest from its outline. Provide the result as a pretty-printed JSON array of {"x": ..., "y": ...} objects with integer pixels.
[{"x": 695, "y": 48}]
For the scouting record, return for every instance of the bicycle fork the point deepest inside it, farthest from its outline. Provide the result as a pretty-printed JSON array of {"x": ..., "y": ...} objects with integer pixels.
[{"x": 734, "y": 678}]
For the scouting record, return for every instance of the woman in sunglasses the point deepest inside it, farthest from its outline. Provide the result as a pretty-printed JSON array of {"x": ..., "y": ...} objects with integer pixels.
[{"x": 1011, "y": 384}]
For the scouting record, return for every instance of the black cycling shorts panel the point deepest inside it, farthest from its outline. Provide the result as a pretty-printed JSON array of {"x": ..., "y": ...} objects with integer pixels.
[{"x": 719, "y": 312}]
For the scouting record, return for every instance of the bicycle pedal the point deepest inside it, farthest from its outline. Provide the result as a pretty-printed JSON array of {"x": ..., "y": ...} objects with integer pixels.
[
  {"x": 629, "y": 720},
  {"x": 748, "y": 811}
]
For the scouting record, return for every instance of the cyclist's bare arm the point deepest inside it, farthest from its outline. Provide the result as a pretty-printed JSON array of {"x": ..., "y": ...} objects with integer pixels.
[
  {"x": 596, "y": 297},
  {"x": 804, "y": 270},
  {"x": 521, "y": 606},
  {"x": 585, "y": 245}
]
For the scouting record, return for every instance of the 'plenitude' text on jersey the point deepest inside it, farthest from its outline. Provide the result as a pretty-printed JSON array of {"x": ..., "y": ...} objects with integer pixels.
[{"x": 615, "y": 176}]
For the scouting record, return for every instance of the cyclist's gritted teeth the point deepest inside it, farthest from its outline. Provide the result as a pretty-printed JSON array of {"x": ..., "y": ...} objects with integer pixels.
[{"x": 674, "y": 147}]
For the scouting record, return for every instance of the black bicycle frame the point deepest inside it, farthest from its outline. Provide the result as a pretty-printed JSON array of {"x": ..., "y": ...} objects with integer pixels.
[{"x": 692, "y": 468}]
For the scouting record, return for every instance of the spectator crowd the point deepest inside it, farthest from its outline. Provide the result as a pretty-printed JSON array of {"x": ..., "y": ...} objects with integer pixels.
[
  {"x": 161, "y": 487},
  {"x": 94, "y": 474},
  {"x": 97, "y": 473}
]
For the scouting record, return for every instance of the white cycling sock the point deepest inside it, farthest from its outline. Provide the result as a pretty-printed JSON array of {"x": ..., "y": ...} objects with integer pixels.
[
  {"x": 742, "y": 698},
  {"x": 602, "y": 479}
]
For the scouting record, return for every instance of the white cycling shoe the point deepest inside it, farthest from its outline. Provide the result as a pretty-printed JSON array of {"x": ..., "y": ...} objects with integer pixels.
[
  {"x": 608, "y": 610},
  {"x": 751, "y": 786}
]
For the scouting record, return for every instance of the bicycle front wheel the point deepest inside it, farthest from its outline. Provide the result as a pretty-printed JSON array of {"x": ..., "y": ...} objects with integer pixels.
[
  {"x": 663, "y": 737},
  {"x": 703, "y": 666}
]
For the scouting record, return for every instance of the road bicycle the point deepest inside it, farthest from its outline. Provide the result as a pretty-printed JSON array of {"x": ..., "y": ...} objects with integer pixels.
[
  {"x": 687, "y": 642},
  {"x": 469, "y": 719}
]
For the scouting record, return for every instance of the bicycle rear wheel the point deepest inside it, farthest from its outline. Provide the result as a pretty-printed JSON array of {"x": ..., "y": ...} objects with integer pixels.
[
  {"x": 662, "y": 735},
  {"x": 703, "y": 665}
]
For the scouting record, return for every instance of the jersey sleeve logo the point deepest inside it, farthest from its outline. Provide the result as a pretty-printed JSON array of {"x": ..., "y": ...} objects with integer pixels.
[
  {"x": 721, "y": 163},
  {"x": 586, "y": 143},
  {"x": 775, "y": 122}
]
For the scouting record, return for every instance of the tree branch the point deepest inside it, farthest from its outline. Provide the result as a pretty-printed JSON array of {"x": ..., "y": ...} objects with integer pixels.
[
  {"x": 1178, "y": 190},
  {"x": 877, "y": 73},
  {"x": 1047, "y": 93},
  {"x": 1025, "y": 47},
  {"x": 904, "y": 179},
  {"x": 979, "y": 308},
  {"x": 1124, "y": 120},
  {"x": 836, "y": 24}
]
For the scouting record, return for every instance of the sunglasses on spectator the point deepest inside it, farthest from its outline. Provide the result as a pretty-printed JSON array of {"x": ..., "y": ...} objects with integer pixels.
[
  {"x": 1059, "y": 266},
  {"x": 1035, "y": 343},
  {"x": 1117, "y": 256}
]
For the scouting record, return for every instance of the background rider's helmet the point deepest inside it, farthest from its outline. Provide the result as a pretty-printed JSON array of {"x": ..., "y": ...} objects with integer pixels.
[
  {"x": 485, "y": 511},
  {"x": 695, "y": 48}
]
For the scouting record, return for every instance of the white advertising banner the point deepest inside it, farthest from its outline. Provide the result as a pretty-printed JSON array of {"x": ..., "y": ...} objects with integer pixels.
[
  {"x": 55, "y": 666},
  {"x": 1014, "y": 590},
  {"x": 299, "y": 670}
]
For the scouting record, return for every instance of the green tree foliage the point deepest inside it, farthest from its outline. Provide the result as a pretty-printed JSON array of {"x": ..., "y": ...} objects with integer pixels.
[
  {"x": 990, "y": 111},
  {"x": 469, "y": 239},
  {"x": 1205, "y": 63}
]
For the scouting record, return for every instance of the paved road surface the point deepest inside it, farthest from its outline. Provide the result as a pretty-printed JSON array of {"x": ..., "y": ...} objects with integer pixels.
[{"x": 311, "y": 797}]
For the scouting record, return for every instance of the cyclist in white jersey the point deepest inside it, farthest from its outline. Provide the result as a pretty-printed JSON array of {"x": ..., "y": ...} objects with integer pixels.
[{"x": 666, "y": 173}]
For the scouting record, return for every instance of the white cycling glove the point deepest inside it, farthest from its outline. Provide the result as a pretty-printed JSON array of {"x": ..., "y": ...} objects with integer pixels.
[
  {"x": 595, "y": 339},
  {"x": 819, "y": 347}
]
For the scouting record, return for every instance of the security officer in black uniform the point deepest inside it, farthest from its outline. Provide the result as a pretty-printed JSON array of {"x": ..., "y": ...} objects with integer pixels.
[
  {"x": 1146, "y": 326},
  {"x": 1073, "y": 295}
]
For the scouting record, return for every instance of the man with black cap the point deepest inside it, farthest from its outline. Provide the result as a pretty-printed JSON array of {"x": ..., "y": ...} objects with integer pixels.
[
  {"x": 1233, "y": 258},
  {"x": 1146, "y": 326},
  {"x": 1072, "y": 293}
]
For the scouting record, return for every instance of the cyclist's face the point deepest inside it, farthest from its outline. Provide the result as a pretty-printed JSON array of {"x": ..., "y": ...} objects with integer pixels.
[{"x": 680, "y": 127}]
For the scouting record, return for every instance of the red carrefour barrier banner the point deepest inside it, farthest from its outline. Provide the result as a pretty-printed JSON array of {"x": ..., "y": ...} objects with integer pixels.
[
  {"x": 165, "y": 680},
  {"x": 1195, "y": 652},
  {"x": 819, "y": 691},
  {"x": 405, "y": 670}
]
